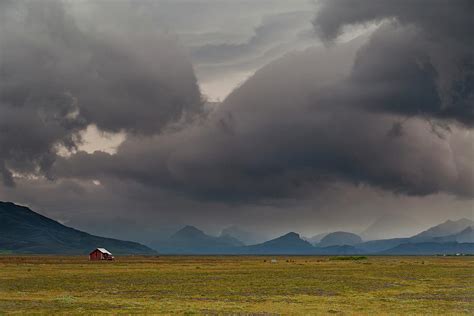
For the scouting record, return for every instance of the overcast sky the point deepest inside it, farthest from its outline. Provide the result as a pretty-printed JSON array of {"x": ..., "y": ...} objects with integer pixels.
[{"x": 331, "y": 113}]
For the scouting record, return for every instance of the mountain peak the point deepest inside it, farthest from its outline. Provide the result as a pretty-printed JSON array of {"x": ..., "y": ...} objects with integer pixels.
[
  {"x": 290, "y": 243},
  {"x": 291, "y": 235},
  {"x": 189, "y": 231},
  {"x": 191, "y": 228},
  {"x": 340, "y": 239},
  {"x": 461, "y": 221}
]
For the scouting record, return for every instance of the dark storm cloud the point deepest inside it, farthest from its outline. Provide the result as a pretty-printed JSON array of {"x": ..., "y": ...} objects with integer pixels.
[
  {"x": 270, "y": 139},
  {"x": 337, "y": 132},
  {"x": 421, "y": 63},
  {"x": 56, "y": 78},
  {"x": 294, "y": 126}
]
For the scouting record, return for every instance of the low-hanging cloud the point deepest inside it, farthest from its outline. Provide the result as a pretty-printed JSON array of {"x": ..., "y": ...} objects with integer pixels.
[
  {"x": 56, "y": 79},
  {"x": 271, "y": 139},
  {"x": 301, "y": 122},
  {"x": 419, "y": 63}
]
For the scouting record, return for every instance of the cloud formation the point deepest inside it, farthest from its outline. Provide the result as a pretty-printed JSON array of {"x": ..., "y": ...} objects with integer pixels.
[
  {"x": 227, "y": 40},
  {"x": 421, "y": 63},
  {"x": 56, "y": 79},
  {"x": 272, "y": 139},
  {"x": 314, "y": 132}
]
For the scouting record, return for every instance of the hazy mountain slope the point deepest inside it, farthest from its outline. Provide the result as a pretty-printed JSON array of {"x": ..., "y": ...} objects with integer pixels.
[
  {"x": 432, "y": 235},
  {"x": 382, "y": 244},
  {"x": 339, "y": 239},
  {"x": 316, "y": 238},
  {"x": 391, "y": 226},
  {"x": 466, "y": 235},
  {"x": 445, "y": 229},
  {"x": 190, "y": 240},
  {"x": 24, "y": 231},
  {"x": 245, "y": 236}
]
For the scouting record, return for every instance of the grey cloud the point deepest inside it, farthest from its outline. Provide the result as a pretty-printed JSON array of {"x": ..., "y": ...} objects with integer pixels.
[
  {"x": 274, "y": 36},
  {"x": 273, "y": 31},
  {"x": 271, "y": 139},
  {"x": 314, "y": 133},
  {"x": 56, "y": 78},
  {"x": 422, "y": 63},
  {"x": 223, "y": 37},
  {"x": 442, "y": 19}
]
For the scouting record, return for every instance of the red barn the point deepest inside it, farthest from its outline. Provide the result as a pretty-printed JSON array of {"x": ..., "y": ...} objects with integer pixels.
[{"x": 101, "y": 254}]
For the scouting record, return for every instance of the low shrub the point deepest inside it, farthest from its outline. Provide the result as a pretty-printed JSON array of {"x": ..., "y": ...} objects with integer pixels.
[{"x": 349, "y": 258}]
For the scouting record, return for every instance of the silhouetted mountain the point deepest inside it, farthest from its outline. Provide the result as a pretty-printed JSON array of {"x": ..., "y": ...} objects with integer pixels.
[
  {"x": 339, "y": 239},
  {"x": 445, "y": 229},
  {"x": 245, "y": 236},
  {"x": 290, "y": 243},
  {"x": 24, "y": 231},
  {"x": 430, "y": 248},
  {"x": 189, "y": 233},
  {"x": 190, "y": 240},
  {"x": 316, "y": 238},
  {"x": 391, "y": 226}
]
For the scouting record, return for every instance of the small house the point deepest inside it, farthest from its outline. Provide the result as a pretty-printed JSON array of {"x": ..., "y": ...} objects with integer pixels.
[{"x": 101, "y": 254}]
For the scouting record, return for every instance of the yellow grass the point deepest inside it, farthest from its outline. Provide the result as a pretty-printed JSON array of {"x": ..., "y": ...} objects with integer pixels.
[{"x": 237, "y": 285}]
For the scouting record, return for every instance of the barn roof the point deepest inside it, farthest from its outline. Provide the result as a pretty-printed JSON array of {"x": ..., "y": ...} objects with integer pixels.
[{"x": 103, "y": 250}]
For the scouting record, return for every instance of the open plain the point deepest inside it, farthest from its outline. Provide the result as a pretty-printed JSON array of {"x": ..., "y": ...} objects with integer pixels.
[{"x": 237, "y": 285}]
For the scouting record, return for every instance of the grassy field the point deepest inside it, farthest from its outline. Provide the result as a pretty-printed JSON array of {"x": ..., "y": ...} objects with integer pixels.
[{"x": 237, "y": 285}]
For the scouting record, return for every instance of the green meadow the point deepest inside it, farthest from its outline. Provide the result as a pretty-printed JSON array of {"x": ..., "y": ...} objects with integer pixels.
[{"x": 237, "y": 285}]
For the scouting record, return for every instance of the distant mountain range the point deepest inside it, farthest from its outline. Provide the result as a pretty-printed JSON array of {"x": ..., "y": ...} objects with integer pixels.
[
  {"x": 459, "y": 237},
  {"x": 447, "y": 228},
  {"x": 24, "y": 231}
]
